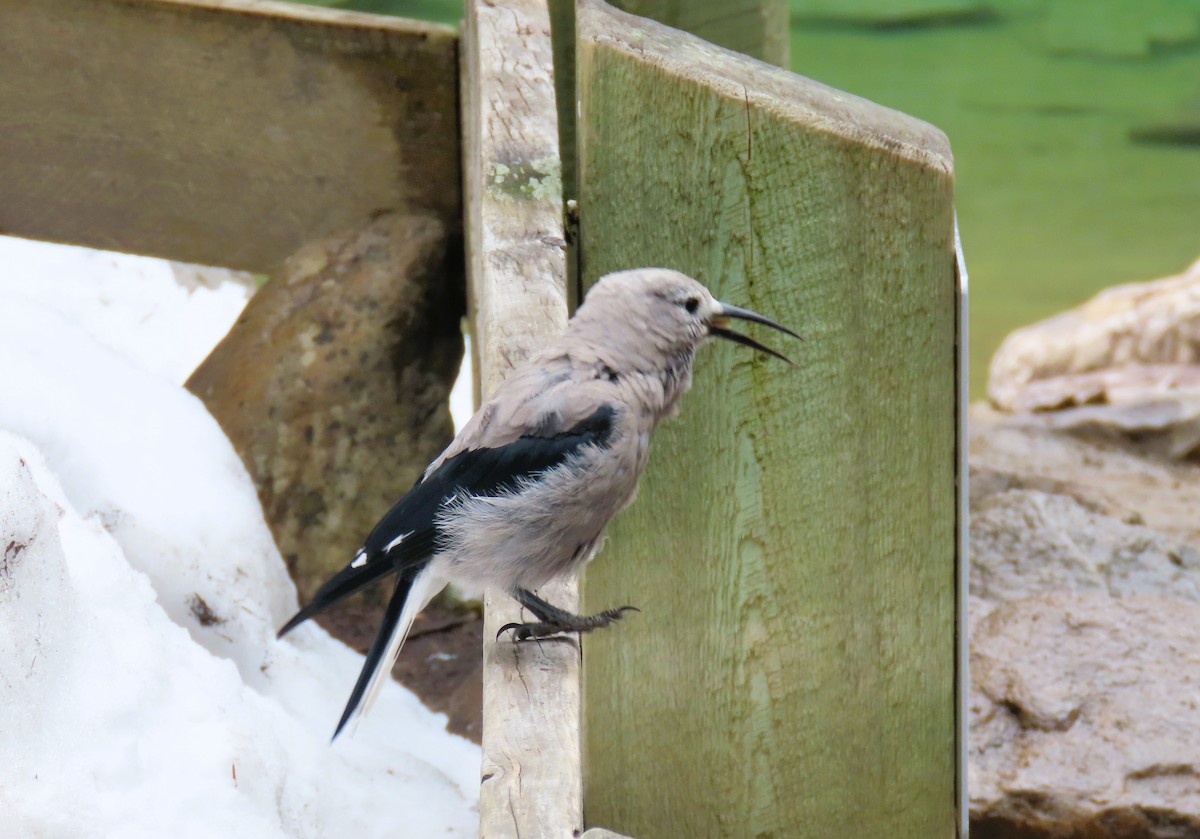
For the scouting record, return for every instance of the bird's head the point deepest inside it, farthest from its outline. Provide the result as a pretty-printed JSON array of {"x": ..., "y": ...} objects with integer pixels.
[
  {"x": 659, "y": 312},
  {"x": 649, "y": 322}
]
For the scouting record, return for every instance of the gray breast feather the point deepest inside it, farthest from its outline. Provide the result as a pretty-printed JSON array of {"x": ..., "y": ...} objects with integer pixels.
[{"x": 546, "y": 525}]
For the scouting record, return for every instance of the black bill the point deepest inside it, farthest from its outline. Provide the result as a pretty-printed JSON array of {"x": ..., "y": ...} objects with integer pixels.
[{"x": 718, "y": 326}]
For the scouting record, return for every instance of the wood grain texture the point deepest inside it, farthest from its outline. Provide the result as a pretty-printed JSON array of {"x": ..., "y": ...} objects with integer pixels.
[
  {"x": 516, "y": 273},
  {"x": 793, "y": 546},
  {"x": 225, "y": 133},
  {"x": 758, "y": 28}
]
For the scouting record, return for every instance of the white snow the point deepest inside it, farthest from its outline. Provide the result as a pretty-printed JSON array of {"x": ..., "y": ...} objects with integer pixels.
[
  {"x": 164, "y": 316},
  {"x": 142, "y": 691}
]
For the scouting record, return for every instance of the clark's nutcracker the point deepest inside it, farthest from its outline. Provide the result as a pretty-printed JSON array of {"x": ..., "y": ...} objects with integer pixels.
[{"x": 523, "y": 493}]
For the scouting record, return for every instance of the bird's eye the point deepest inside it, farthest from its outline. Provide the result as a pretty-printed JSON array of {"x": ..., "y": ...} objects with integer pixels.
[{"x": 692, "y": 304}]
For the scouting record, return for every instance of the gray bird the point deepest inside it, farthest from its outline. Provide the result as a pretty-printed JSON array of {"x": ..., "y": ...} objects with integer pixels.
[{"x": 523, "y": 493}]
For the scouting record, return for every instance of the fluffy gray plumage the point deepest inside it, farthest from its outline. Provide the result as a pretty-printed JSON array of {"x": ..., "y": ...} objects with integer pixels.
[{"x": 523, "y": 493}]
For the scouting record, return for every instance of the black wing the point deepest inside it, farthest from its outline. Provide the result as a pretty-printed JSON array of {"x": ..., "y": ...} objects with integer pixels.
[{"x": 490, "y": 471}]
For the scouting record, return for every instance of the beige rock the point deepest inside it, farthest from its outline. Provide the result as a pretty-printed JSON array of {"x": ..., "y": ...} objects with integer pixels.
[
  {"x": 1084, "y": 612},
  {"x": 1125, "y": 361},
  {"x": 1103, "y": 473},
  {"x": 1024, "y": 541},
  {"x": 333, "y": 384},
  {"x": 1153, "y": 323},
  {"x": 1155, "y": 406},
  {"x": 1129, "y": 384},
  {"x": 1085, "y": 717}
]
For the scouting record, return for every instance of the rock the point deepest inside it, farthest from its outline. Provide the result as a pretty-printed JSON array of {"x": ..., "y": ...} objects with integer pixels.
[
  {"x": 1125, "y": 361},
  {"x": 1156, "y": 322},
  {"x": 1103, "y": 473},
  {"x": 333, "y": 384},
  {"x": 1083, "y": 615},
  {"x": 1085, "y": 717},
  {"x": 985, "y": 482},
  {"x": 1127, "y": 384},
  {"x": 1155, "y": 405},
  {"x": 1024, "y": 541},
  {"x": 1085, "y": 573}
]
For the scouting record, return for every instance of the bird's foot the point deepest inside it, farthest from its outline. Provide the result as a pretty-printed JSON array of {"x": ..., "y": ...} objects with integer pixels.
[{"x": 565, "y": 622}]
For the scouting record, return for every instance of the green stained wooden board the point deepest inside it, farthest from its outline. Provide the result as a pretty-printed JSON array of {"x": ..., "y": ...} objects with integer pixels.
[
  {"x": 758, "y": 28},
  {"x": 793, "y": 546}
]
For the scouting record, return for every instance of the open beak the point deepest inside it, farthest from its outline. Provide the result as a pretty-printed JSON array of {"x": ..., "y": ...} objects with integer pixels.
[{"x": 719, "y": 325}]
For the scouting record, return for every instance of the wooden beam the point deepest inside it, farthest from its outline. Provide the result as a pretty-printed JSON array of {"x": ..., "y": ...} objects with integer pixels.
[
  {"x": 227, "y": 132},
  {"x": 516, "y": 275},
  {"x": 793, "y": 547},
  {"x": 758, "y": 28}
]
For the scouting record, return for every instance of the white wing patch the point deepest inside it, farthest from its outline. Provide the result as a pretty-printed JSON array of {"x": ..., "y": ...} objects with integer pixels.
[
  {"x": 360, "y": 559},
  {"x": 397, "y": 541}
]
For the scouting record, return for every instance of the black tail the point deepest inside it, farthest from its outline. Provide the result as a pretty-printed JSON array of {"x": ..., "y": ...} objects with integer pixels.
[{"x": 391, "y": 617}]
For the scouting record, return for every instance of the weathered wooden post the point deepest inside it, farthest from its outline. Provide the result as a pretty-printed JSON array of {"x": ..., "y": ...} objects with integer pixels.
[
  {"x": 516, "y": 266},
  {"x": 793, "y": 547}
]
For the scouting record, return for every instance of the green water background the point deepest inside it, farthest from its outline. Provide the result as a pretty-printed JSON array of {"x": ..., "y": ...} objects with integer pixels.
[{"x": 1075, "y": 126}]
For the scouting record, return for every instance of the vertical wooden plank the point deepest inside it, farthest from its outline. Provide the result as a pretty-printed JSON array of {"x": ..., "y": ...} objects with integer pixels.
[
  {"x": 224, "y": 132},
  {"x": 793, "y": 548},
  {"x": 758, "y": 28},
  {"x": 516, "y": 268}
]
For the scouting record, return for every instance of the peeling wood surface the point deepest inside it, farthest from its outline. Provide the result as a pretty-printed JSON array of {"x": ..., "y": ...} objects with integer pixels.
[
  {"x": 516, "y": 263},
  {"x": 792, "y": 672},
  {"x": 224, "y": 133}
]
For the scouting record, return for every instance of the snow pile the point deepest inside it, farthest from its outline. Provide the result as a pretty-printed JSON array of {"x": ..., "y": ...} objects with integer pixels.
[
  {"x": 142, "y": 691},
  {"x": 164, "y": 316}
]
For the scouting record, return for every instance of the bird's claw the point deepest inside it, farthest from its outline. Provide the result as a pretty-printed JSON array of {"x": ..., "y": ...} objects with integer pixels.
[
  {"x": 521, "y": 630},
  {"x": 538, "y": 631},
  {"x": 533, "y": 631}
]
